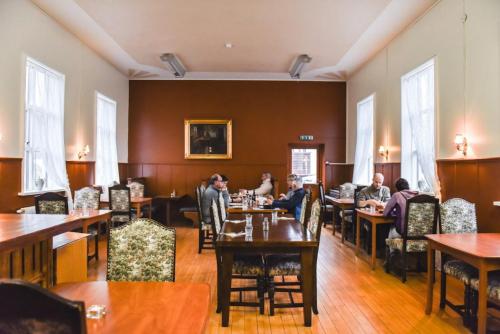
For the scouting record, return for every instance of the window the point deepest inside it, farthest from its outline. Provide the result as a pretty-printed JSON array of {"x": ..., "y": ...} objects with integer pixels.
[
  {"x": 305, "y": 164},
  {"x": 418, "y": 157},
  {"x": 106, "y": 162},
  {"x": 44, "y": 165},
  {"x": 363, "y": 159}
]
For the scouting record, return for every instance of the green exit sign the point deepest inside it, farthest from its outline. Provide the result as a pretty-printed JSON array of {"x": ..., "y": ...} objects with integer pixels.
[{"x": 306, "y": 138}]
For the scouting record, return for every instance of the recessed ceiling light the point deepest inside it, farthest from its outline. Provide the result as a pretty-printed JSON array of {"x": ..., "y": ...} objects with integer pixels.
[{"x": 228, "y": 45}]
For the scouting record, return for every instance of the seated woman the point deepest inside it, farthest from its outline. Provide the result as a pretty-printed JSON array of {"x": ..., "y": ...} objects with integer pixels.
[
  {"x": 396, "y": 207},
  {"x": 294, "y": 204}
]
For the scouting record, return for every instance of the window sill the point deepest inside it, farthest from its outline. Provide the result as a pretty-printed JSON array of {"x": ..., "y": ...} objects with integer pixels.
[{"x": 31, "y": 193}]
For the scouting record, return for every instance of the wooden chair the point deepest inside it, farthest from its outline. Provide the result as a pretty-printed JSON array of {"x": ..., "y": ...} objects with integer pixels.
[
  {"x": 327, "y": 208},
  {"x": 421, "y": 217},
  {"x": 492, "y": 291},
  {"x": 457, "y": 216},
  {"x": 136, "y": 189},
  {"x": 28, "y": 308},
  {"x": 132, "y": 257},
  {"x": 245, "y": 266},
  {"x": 89, "y": 198},
  {"x": 305, "y": 209},
  {"x": 119, "y": 203},
  {"x": 204, "y": 229},
  {"x": 289, "y": 265},
  {"x": 51, "y": 203}
]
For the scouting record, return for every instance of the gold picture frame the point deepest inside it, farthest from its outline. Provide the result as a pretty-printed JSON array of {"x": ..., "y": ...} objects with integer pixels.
[{"x": 208, "y": 139}]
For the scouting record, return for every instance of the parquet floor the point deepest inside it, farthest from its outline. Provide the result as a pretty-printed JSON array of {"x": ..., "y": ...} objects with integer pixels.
[{"x": 352, "y": 298}]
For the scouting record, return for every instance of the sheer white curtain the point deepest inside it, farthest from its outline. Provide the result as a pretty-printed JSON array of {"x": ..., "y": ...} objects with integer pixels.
[
  {"x": 418, "y": 154},
  {"x": 44, "y": 149},
  {"x": 363, "y": 159},
  {"x": 106, "y": 162}
]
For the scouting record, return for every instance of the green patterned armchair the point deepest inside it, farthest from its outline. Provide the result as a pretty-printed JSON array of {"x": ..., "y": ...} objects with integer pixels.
[
  {"x": 289, "y": 264},
  {"x": 421, "y": 218},
  {"x": 51, "y": 203},
  {"x": 87, "y": 198},
  {"x": 119, "y": 203},
  {"x": 136, "y": 189},
  {"x": 458, "y": 216},
  {"x": 303, "y": 210},
  {"x": 492, "y": 291},
  {"x": 141, "y": 250}
]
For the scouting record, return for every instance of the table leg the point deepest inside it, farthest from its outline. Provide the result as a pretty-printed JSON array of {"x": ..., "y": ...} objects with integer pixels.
[
  {"x": 481, "y": 311},
  {"x": 306, "y": 271},
  {"x": 358, "y": 237},
  {"x": 219, "y": 274},
  {"x": 138, "y": 209},
  {"x": 430, "y": 281},
  {"x": 225, "y": 296},
  {"x": 342, "y": 226},
  {"x": 374, "y": 245}
]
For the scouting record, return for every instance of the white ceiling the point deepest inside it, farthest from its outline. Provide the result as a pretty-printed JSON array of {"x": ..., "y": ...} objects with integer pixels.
[{"x": 267, "y": 35}]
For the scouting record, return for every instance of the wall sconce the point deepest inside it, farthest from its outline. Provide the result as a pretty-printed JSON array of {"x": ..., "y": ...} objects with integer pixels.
[
  {"x": 383, "y": 152},
  {"x": 461, "y": 143},
  {"x": 83, "y": 153}
]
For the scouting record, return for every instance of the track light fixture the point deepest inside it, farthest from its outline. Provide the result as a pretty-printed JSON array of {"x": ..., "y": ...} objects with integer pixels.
[
  {"x": 298, "y": 66},
  {"x": 173, "y": 64}
]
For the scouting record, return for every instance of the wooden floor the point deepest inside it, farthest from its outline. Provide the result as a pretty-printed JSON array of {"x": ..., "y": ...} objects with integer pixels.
[{"x": 351, "y": 297}]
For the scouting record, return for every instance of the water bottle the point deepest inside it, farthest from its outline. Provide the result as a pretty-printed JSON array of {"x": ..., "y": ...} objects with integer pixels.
[{"x": 265, "y": 224}]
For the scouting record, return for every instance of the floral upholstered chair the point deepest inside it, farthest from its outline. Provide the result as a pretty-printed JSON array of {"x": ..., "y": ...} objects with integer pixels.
[
  {"x": 89, "y": 198},
  {"x": 51, "y": 203},
  {"x": 492, "y": 291},
  {"x": 245, "y": 266},
  {"x": 222, "y": 207},
  {"x": 141, "y": 250},
  {"x": 204, "y": 229},
  {"x": 119, "y": 203},
  {"x": 458, "y": 216},
  {"x": 421, "y": 219},
  {"x": 303, "y": 210},
  {"x": 289, "y": 265},
  {"x": 136, "y": 190}
]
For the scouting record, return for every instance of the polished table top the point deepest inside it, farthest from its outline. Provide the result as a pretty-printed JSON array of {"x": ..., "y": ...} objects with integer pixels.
[
  {"x": 282, "y": 232},
  {"x": 133, "y": 200},
  {"x": 485, "y": 245},
  {"x": 143, "y": 307},
  {"x": 340, "y": 200}
]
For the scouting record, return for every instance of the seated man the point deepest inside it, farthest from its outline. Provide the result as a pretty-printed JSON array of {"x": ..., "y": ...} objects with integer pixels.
[
  {"x": 212, "y": 192},
  {"x": 396, "y": 207},
  {"x": 225, "y": 192},
  {"x": 294, "y": 204},
  {"x": 375, "y": 194},
  {"x": 266, "y": 187},
  {"x": 289, "y": 181}
]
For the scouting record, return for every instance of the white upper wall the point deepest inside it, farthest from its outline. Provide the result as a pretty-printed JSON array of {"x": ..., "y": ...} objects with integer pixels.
[
  {"x": 25, "y": 30},
  {"x": 439, "y": 33}
]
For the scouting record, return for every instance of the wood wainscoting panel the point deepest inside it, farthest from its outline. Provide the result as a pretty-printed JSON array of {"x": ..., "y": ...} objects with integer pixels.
[{"x": 80, "y": 174}]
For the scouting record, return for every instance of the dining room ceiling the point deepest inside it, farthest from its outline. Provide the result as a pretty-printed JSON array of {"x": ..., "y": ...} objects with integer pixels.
[{"x": 265, "y": 36}]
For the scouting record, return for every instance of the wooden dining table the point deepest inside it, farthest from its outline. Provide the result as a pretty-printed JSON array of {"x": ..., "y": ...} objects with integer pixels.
[
  {"x": 143, "y": 307},
  {"x": 343, "y": 204},
  {"x": 89, "y": 217},
  {"x": 135, "y": 202},
  {"x": 481, "y": 250},
  {"x": 26, "y": 244},
  {"x": 254, "y": 210},
  {"x": 375, "y": 218},
  {"x": 284, "y": 236}
]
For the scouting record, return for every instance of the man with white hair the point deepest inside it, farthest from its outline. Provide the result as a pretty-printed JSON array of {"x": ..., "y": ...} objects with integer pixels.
[
  {"x": 376, "y": 194},
  {"x": 294, "y": 204},
  {"x": 266, "y": 187}
]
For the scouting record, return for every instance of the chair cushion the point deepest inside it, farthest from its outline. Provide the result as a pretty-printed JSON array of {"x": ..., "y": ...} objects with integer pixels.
[
  {"x": 283, "y": 265},
  {"x": 411, "y": 245},
  {"x": 248, "y": 265},
  {"x": 120, "y": 218},
  {"x": 52, "y": 207},
  {"x": 460, "y": 270},
  {"x": 493, "y": 290}
]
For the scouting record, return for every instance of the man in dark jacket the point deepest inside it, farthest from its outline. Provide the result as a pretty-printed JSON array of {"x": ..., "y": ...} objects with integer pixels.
[{"x": 294, "y": 204}]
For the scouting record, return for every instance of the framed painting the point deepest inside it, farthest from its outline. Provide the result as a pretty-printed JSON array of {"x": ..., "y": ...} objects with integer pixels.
[{"x": 207, "y": 139}]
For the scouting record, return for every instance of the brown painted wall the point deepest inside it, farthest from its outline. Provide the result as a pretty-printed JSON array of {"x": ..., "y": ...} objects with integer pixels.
[
  {"x": 267, "y": 116},
  {"x": 477, "y": 181}
]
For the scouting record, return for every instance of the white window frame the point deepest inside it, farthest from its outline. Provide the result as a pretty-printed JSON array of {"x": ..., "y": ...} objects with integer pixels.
[
  {"x": 28, "y": 152},
  {"x": 414, "y": 173},
  {"x": 98, "y": 96},
  {"x": 366, "y": 179}
]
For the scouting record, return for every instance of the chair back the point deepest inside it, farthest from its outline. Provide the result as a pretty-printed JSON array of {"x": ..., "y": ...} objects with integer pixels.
[
  {"x": 315, "y": 219},
  {"x": 222, "y": 207},
  {"x": 199, "y": 193},
  {"x": 421, "y": 216},
  {"x": 322, "y": 193},
  {"x": 28, "y": 308},
  {"x": 51, "y": 203},
  {"x": 87, "y": 197},
  {"x": 119, "y": 200},
  {"x": 217, "y": 222},
  {"x": 136, "y": 189},
  {"x": 458, "y": 216},
  {"x": 357, "y": 190},
  {"x": 141, "y": 250},
  {"x": 303, "y": 210},
  {"x": 346, "y": 190}
]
